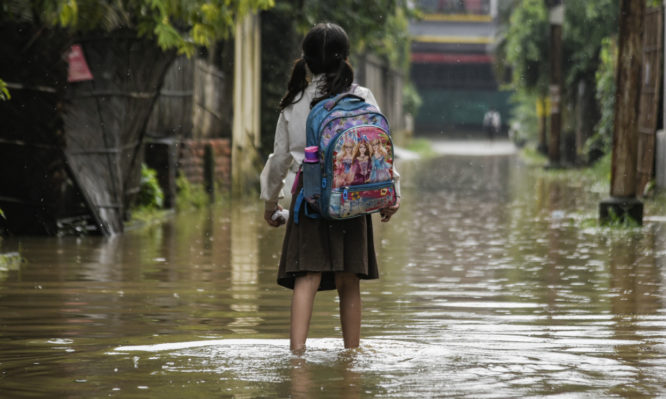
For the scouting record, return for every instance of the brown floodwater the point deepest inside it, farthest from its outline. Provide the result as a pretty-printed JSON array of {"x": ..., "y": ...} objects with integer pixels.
[{"x": 495, "y": 282}]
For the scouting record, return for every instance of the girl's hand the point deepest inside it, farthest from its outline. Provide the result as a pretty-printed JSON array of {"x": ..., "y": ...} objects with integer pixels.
[
  {"x": 268, "y": 217},
  {"x": 386, "y": 213}
]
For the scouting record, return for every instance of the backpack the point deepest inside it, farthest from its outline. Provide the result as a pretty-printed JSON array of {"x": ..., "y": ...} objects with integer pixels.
[{"x": 348, "y": 167}]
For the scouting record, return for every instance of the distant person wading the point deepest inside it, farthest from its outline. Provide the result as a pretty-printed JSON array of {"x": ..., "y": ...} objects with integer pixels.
[{"x": 492, "y": 123}]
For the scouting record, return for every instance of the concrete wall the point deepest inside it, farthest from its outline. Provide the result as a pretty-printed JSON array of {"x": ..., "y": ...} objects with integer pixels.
[
  {"x": 387, "y": 85},
  {"x": 210, "y": 110}
]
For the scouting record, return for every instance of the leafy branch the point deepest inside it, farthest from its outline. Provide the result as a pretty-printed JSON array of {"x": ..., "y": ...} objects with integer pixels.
[
  {"x": 174, "y": 24},
  {"x": 4, "y": 91}
]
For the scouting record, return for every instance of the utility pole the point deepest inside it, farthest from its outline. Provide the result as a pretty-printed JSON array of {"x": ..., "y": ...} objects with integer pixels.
[
  {"x": 555, "y": 88},
  {"x": 623, "y": 203}
]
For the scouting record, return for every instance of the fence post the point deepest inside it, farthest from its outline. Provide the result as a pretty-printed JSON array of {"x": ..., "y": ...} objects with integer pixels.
[{"x": 209, "y": 171}]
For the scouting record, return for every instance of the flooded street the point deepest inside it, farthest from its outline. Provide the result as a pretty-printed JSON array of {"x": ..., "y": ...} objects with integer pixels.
[{"x": 494, "y": 282}]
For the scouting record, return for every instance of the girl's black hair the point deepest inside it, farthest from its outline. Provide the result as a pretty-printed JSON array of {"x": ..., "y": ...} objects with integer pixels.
[{"x": 325, "y": 50}]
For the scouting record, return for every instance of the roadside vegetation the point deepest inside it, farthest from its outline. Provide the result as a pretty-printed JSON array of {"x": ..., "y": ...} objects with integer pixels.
[
  {"x": 180, "y": 25},
  {"x": 149, "y": 203},
  {"x": 590, "y": 51},
  {"x": 190, "y": 196},
  {"x": 378, "y": 27},
  {"x": 421, "y": 146},
  {"x": 589, "y": 34}
]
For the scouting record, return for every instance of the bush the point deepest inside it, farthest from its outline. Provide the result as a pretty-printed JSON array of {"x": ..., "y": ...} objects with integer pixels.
[
  {"x": 181, "y": 25},
  {"x": 150, "y": 194},
  {"x": 411, "y": 99},
  {"x": 524, "y": 123},
  {"x": 190, "y": 195}
]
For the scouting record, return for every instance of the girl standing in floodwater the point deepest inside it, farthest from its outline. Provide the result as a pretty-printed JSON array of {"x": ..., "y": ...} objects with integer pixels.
[{"x": 319, "y": 254}]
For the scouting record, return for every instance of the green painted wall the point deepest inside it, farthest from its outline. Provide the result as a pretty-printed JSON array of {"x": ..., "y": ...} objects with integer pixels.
[{"x": 444, "y": 109}]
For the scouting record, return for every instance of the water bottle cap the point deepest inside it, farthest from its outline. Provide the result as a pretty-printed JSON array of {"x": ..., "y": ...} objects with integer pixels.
[{"x": 311, "y": 154}]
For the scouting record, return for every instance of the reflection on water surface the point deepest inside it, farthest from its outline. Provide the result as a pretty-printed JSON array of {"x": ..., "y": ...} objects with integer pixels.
[{"x": 493, "y": 284}]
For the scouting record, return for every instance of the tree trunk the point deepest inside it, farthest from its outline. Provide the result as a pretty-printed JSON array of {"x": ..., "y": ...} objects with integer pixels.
[
  {"x": 623, "y": 204},
  {"x": 627, "y": 95},
  {"x": 649, "y": 103}
]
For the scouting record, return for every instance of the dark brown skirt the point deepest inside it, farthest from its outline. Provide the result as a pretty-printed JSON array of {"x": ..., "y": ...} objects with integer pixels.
[{"x": 318, "y": 245}]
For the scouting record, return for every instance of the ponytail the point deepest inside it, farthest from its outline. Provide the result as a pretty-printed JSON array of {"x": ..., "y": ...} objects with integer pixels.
[
  {"x": 297, "y": 83},
  {"x": 325, "y": 52},
  {"x": 336, "y": 82}
]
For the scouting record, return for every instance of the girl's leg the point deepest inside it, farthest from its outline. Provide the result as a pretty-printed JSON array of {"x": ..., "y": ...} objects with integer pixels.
[
  {"x": 305, "y": 288},
  {"x": 350, "y": 308}
]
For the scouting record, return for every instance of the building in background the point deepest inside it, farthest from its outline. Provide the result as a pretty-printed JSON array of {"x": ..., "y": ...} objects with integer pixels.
[{"x": 452, "y": 66}]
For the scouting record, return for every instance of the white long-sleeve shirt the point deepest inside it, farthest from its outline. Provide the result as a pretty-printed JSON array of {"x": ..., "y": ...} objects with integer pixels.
[{"x": 289, "y": 145}]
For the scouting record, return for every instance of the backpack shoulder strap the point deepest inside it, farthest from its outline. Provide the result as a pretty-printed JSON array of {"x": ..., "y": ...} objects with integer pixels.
[{"x": 335, "y": 100}]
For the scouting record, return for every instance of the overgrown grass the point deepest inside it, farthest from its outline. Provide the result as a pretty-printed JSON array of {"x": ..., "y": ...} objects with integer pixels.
[
  {"x": 595, "y": 176},
  {"x": 147, "y": 215},
  {"x": 190, "y": 196},
  {"x": 601, "y": 169},
  {"x": 149, "y": 202},
  {"x": 421, "y": 146},
  {"x": 9, "y": 261},
  {"x": 619, "y": 221},
  {"x": 150, "y": 192},
  {"x": 530, "y": 156},
  {"x": 656, "y": 204}
]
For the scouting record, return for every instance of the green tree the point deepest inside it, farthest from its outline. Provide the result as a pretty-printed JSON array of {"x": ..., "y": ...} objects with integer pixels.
[
  {"x": 586, "y": 25},
  {"x": 525, "y": 46},
  {"x": 523, "y": 50},
  {"x": 601, "y": 142},
  {"x": 179, "y": 24},
  {"x": 377, "y": 26}
]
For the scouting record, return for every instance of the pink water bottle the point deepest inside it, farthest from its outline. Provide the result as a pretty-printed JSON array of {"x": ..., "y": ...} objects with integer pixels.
[{"x": 311, "y": 174}]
